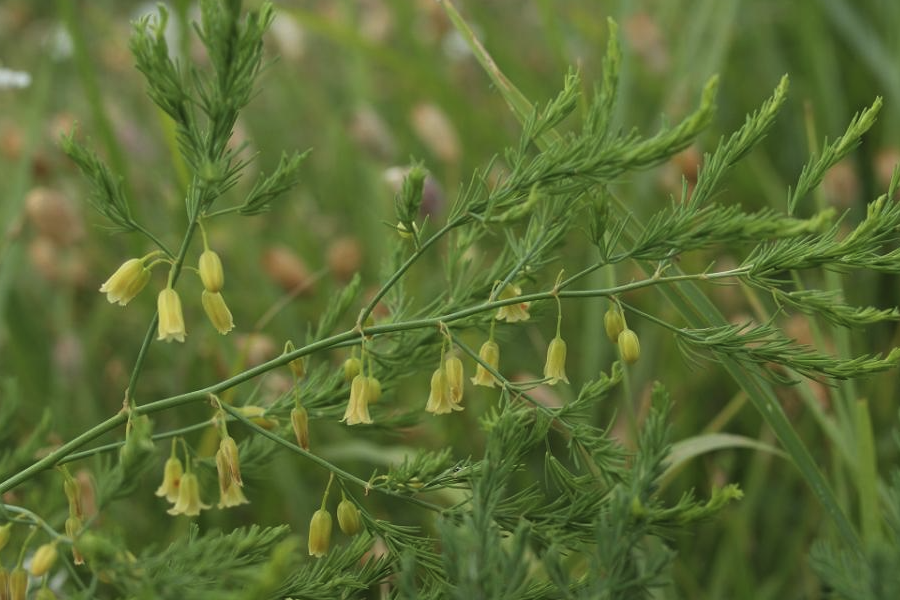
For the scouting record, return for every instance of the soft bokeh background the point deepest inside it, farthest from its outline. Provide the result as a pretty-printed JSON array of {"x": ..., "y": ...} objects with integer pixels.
[{"x": 367, "y": 85}]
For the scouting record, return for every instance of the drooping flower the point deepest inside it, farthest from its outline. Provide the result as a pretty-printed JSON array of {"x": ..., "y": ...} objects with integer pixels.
[
  {"x": 171, "y": 484},
  {"x": 44, "y": 559},
  {"x": 374, "y": 390},
  {"x": 319, "y": 533},
  {"x": 358, "y": 407},
  {"x": 348, "y": 517},
  {"x": 352, "y": 367},
  {"x": 614, "y": 324},
  {"x": 439, "y": 399},
  {"x": 453, "y": 368},
  {"x": 490, "y": 354},
  {"x": 171, "y": 321},
  {"x": 217, "y": 311},
  {"x": 512, "y": 313},
  {"x": 300, "y": 424},
  {"x": 229, "y": 470},
  {"x": 188, "y": 502},
  {"x": 629, "y": 346},
  {"x": 211, "y": 273},
  {"x": 555, "y": 367},
  {"x": 73, "y": 528},
  {"x": 127, "y": 282}
]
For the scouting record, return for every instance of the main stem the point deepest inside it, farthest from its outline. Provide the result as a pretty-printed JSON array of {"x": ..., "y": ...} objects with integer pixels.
[
  {"x": 340, "y": 339},
  {"x": 174, "y": 272}
]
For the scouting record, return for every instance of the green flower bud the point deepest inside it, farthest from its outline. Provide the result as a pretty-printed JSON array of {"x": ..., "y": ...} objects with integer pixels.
[
  {"x": 320, "y": 533},
  {"x": 614, "y": 323},
  {"x": 348, "y": 517},
  {"x": 629, "y": 346}
]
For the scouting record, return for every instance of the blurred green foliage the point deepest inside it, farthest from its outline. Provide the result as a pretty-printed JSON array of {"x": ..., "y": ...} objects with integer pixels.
[{"x": 367, "y": 85}]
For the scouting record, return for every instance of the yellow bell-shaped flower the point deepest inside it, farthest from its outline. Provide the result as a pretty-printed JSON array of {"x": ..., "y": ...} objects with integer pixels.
[
  {"x": 555, "y": 367},
  {"x": 490, "y": 354},
  {"x": 127, "y": 282},
  {"x": 512, "y": 313},
  {"x": 320, "y": 533},
  {"x": 172, "y": 473},
  {"x": 358, "y": 408},
  {"x": 188, "y": 502},
  {"x": 211, "y": 273},
  {"x": 217, "y": 311},
  {"x": 629, "y": 346},
  {"x": 171, "y": 321}
]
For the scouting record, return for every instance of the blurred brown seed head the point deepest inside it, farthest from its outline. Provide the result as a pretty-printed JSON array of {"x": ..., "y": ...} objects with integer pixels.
[
  {"x": 646, "y": 39},
  {"x": 344, "y": 257},
  {"x": 257, "y": 348},
  {"x": 886, "y": 161},
  {"x": 52, "y": 214},
  {"x": 436, "y": 132},
  {"x": 369, "y": 130},
  {"x": 43, "y": 255},
  {"x": 11, "y": 140},
  {"x": 376, "y": 21},
  {"x": 841, "y": 185},
  {"x": 287, "y": 270}
]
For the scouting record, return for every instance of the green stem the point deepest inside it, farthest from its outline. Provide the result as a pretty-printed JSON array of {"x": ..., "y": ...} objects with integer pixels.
[
  {"x": 154, "y": 239},
  {"x": 174, "y": 272},
  {"x": 36, "y": 520},
  {"x": 405, "y": 267},
  {"x": 352, "y": 336},
  {"x": 341, "y": 474}
]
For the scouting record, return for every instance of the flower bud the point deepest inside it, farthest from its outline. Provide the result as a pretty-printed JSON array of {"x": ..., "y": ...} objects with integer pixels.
[
  {"x": 453, "y": 368},
  {"x": 172, "y": 474},
  {"x": 614, "y": 324},
  {"x": 374, "y": 389},
  {"x": 352, "y": 367},
  {"x": 300, "y": 424},
  {"x": 490, "y": 354},
  {"x": 512, "y": 312},
  {"x": 127, "y": 282},
  {"x": 18, "y": 584},
  {"x": 211, "y": 273},
  {"x": 319, "y": 533},
  {"x": 43, "y": 560},
  {"x": 404, "y": 232},
  {"x": 348, "y": 517},
  {"x": 298, "y": 367},
  {"x": 5, "y": 533},
  {"x": 629, "y": 346},
  {"x": 555, "y": 367},
  {"x": 358, "y": 406},
  {"x": 171, "y": 321},
  {"x": 73, "y": 528},
  {"x": 45, "y": 593},
  {"x": 217, "y": 311},
  {"x": 188, "y": 502}
]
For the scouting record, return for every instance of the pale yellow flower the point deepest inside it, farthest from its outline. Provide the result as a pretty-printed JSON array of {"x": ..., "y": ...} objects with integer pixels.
[
  {"x": 490, "y": 354},
  {"x": 229, "y": 470},
  {"x": 319, "y": 533},
  {"x": 555, "y": 367},
  {"x": 43, "y": 560},
  {"x": 188, "y": 502},
  {"x": 348, "y": 517},
  {"x": 211, "y": 273},
  {"x": 440, "y": 401},
  {"x": 127, "y": 282},
  {"x": 358, "y": 406},
  {"x": 453, "y": 368},
  {"x": 171, "y": 321},
  {"x": 217, "y": 311},
  {"x": 172, "y": 473},
  {"x": 629, "y": 346},
  {"x": 614, "y": 324},
  {"x": 512, "y": 313}
]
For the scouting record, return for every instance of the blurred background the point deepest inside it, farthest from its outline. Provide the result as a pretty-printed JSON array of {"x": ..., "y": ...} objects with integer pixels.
[{"x": 368, "y": 84}]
